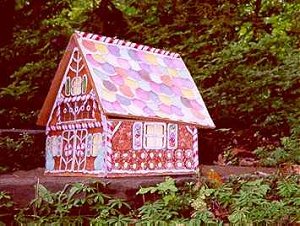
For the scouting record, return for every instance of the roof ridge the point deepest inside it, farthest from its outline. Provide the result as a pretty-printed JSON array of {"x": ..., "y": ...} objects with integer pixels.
[{"x": 121, "y": 42}]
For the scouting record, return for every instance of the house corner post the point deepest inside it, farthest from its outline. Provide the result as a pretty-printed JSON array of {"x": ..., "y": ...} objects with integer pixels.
[
  {"x": 195, "y": 148},
  {"x": 109, "y": 150}
]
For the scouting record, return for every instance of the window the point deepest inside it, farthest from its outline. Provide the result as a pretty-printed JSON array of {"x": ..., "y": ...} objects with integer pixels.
[
  {"x": 76, "y": 86},
  {"x": 54, "y": 145},
  {"x": 89, "y": 145},
  {"x": 68, "y": 86},
  {"x": 154, "y": 135},
  {"x": 84, "y": 84},
  {"x": 97, "y": 143}
]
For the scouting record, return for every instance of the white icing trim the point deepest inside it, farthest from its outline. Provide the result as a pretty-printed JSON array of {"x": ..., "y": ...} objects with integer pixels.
[
  {"x": 91, "y": 172},
  {"x": 152, "y": 171},
  {"x": 116, "y": 128},
  {"x": 190, "y": 130},
  {"x": 119, "y": 42}
]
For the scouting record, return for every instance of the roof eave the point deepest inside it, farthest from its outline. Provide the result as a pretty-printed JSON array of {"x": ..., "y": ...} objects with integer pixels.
[{"x": 114, "y": 116}]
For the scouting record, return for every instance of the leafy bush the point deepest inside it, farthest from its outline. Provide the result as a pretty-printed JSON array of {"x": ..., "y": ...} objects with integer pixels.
[
  {"x": 6, "y": 207},
  {"x": 21, "y": 151},
  {"x": 75, "y": 203},
  {"x": 239, "y": 201},
  {"x": 288, "y": 152}
]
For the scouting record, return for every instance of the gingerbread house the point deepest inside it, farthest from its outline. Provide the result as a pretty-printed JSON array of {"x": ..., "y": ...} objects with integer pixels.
[{"x": 117, "y": 108}]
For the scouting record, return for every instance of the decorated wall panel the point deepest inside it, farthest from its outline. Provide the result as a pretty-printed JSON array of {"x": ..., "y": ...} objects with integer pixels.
[
  {"x": 129, "y": 156},
  {"x": 75, "y": 151},
  {"x": 75, "y": 131}
]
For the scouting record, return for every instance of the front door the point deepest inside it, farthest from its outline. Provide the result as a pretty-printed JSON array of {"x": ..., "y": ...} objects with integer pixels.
[{"x": 73, "y": 158}]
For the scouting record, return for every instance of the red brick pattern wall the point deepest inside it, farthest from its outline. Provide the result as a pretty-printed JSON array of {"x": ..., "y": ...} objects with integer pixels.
[{"x": 125, "y": 158}]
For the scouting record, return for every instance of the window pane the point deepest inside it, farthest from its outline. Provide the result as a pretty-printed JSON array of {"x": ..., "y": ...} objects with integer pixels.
[
  {"x": 97, "y": 140},
  {"x": 150, "y": 142},
  {"x": 84, "y": 84},
  {"x": 156, "y": 130},
  {"x": 159, "y": 142},
  {"x": 89, "y": 145},
  {"x": 76, "y": 86},
  {"x": 159, "y": 130},
  {"x": 149, "y": 129}
]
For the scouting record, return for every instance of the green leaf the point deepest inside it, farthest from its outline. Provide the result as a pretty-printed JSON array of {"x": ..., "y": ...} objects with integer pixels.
[{"x": 44, "y": 193}]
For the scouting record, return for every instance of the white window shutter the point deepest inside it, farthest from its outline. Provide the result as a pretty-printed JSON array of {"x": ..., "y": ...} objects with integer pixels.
[
  {"x": 137, "y": 136},
  {"x": 172, "y": 136}
]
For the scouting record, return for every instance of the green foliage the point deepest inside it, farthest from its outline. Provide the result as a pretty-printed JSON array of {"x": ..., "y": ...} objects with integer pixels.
[
  {"x": 40, "y": 34},
  {"x": 18, "y": 150},
  {"x": 256, "y": 201},
  {"x": 289, "y": 190},
  {"x": 202, "y": 212},
  {"x": 164, "y": 188},
  {"x": 251, "y": 194},
  {"x": 10, "y": 144},
  {"x": 165, "y": 208},
  {"x": 288, "y": 152},
  {"x": 66, "y": 206},
  {"x": 239, "y": 201},
  {"x": 6, "y": 206}
]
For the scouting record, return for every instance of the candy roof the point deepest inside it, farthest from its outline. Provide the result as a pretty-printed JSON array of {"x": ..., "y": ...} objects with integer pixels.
[{"x": 139, "y": 81}]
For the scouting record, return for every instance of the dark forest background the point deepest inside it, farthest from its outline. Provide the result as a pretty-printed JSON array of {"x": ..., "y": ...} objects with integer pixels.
[{"x": 244, "y": 55}]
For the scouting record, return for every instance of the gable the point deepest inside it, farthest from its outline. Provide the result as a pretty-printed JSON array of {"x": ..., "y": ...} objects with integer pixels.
[
  {"x": 72, "y": 96},
  {"x": 76, "y": 100},
  {"x": 135, "y": 83}
]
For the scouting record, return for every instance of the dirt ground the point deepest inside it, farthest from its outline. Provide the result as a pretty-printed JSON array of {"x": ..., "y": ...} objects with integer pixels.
[{"x": 20, "y": 184}]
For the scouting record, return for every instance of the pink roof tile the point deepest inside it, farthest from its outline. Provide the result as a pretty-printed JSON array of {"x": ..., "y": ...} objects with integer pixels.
[{"x": 140, "y": 81}]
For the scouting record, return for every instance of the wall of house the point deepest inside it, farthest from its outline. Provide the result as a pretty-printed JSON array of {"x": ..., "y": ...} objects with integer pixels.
[
  {"x": 75, "y": 137},
  {"x": 125, "y": 159},
  {"x": 73, "y": 150}
]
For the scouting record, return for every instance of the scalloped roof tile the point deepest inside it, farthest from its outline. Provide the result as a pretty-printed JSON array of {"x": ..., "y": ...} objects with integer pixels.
[{"x": 139, "y": 81}]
